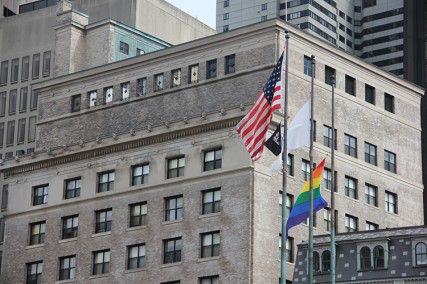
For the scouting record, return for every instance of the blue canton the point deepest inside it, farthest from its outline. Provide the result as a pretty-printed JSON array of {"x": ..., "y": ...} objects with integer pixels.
[{"x": 272, "y": 81}]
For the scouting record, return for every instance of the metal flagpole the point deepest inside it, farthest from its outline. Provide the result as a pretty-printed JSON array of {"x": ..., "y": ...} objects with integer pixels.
[
  {"x": 310, "y": 229},
  {"x": 284, "y": 168},
  {"x": 333, "y": 252}
]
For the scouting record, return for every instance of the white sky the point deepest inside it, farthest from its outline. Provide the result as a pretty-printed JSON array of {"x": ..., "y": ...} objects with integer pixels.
[{"x": 204, "y": 10}]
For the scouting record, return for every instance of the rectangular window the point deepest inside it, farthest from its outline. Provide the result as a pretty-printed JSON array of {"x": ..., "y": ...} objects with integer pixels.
[
  {"x": 263, "y": 18},
  {"x": 136, "y": 256},
  {"x": 305, "y": 168},
  {"x": 264, "y": 7},
  {"x": 176, "y": 78},
  {"x": 2, "y": 103},
  {"x": 124, "y": 48},
  {"x": 211, "y": 69},
  {"x": 172, "y": 250},
  {"x": 226, "y": 16},
  {"x": 138, "y": 214},
  {"x": 33, "y": 101},
  {"x": 101, "y": 262},
  {"x": 370, "y": 94},
  {"x": 351, "y": 223},
  {"x": 176, "y": 167},
  {"x": 290, "y": 163},
  {"x": 141, "y": 86},
  {"x": 390, "y": 161},
  {"x": 230, "y": 64},
  {"x": 36, "y": 66},
  {"x": 108, "y": 95},
  {"x": 370, "y": 153},
  {"x": 37, "y": 233},
  {"x": 23, "y": 99},
  {"x": 14, "y": 70},
  {"x": 10, "y": 133},
  {"x": 1, "y": 134},
  {"x": 371, "y": 226},
  {"x": 327, "y": 179},
  {"x": 350, "y": 85},
  {"x": 388, "y": 102},
  {"x": 76, "y": 102},
  {"x": 106, "y": 181},
  {"x": 92, "y": 98},
  {"x": 25, "y": 68},
  {"x": 158, "y": 82},
  {"x": 70, "y": 227},
  {"x": 40, "y": 194},
  {"x": 350, "y": 145},
  {"x": 34, "y": 272},
  {"x": 225, "y": 28},
  {"x": 327, "y": 219},
  {"x": 226, "y": 3},
  {"x": 327, "y": 136},
  {"x": 329, "y": 75},
  {"x": 72, "y": 188},
  {"x": 67, "y": 267},
  {"x": 103, "y": 219},
  {"x": 46, "y": 64},
  {"x": 289, "y": 203},
  {"x": 290, "y": 249},
  {"x": 12, "y": 101},
  {"x": 212, "y": 160},
  {"x": 21, "y": 130},
  {"x": 173, "y": 208},
  {"x": 125, "y": 90},
  {"x": 140, "y": 174},
  {"x": 210, "y": 244},
  {"x": 31, "y": 129},
  {"x": 193, "y": 73},
  {"x": 211, "y": 201},
  {"x": 209, "y": 280},
  {"x": 4, "y": 70},
  {"x": 390, "y": 202},
  {"x": 351, "y": 187},
  {"x": 308, "y": 68},
  {"x": 371, "y": 193}
]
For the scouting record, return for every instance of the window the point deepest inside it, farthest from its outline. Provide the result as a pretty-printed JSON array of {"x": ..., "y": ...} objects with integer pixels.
[
  {"x": 211, "y": 201},
  {"x": 370, "y": 153},
  {"x": 371, "y": 192},
  {"x": 106, "y": 181},
  {"x": 308, "y": 68},
  {"x": 40, "y": 194},
  {"x": 14, "y": 70},
  {"x": 34, "y": 272},
  {"x": 70, "y": 227},
  {"x": 329, "y": 75},
  {"x": 305, "y": 167},
  {"x": 230, "y": 64},
  {"x": 92, "y": 98},
  {"x": 140, "y": 174},
  {"x": 371, "y": 226},
  {"x": 388, "y": 102},
  {"x": 33, "y": 101},
  {"x": 37, "y": 231},
  {"x": 290, "y": 249},
  {"x": 125, "y": 90},
  {"x": 327, "y": 136},
  {"x": 290, "y": 163},
  {"x": 390, "y": 202},
  {"x": 350, "y": 145},
  {"x": 10, "y": 132},
  {"x": 67, "y": 267},
  {"x": 2, "y": 103},
  {"x": 172, "y": 250},
  {"x": 263, "y": 18},
  {"x": 1, "y": 135},
  {"x": 4, "y": 69},
  {"x": 12, "y": 101},
  {"x": 36, "y": 66},
  {"x": 365, "y": 258},
  {"x": 176, "y": 167},
  {"x": 226, "y": 16},
  {"x": 211, "y": 69},
  {"x": 212, "y": 159},
  {"x": 390, "y": 161},
  {"x": 136, "y": 256},
  {"x": 103, "y": 220},
  {"x": 289, "y": 203},
  {"x": 209, "y": 280},
  {"x": 327, "y": 219},
  {"x": 350, "y": 85},
  {"x": 101, "y": 262},
  {"x": 108, "y": 95},
  {"x": 378, "y": 257},
  {"x": 76, "y": 102},
  {"x": 173, "y": 208},
  {"x": 210, "y": 244},
  {"x": 23, "y": 99},
  {"x": 176, "y": 78},
  {"x": 226, "y": 3},
  {"x": 21, "y": 131},
  {"x": 25, "y": 68},
  {"x": 124, "y": 48},
  {"x": 158, "y": 82},
  {"x": 420, "y": 254},
  {"x": 138, "y": 214},
  {"x": 225, "y": 28},
  {"x": 193, "y": 74},
  {"x": 349, "y": 19},
  {"x": 370, "y": 94},
  {"x": 351, "y": 223},
  {"x": 326, "y": 261},
  {"x": 368, "y": 3},
  {"x": 32, "y": 129},
  {"x": 46, "y": 64},
  {"x": 316, "y": 262},
  {"x": 141, "y": 86},
  {"x": 327, "y": 179},
  {"x": 264, "y": 7}
]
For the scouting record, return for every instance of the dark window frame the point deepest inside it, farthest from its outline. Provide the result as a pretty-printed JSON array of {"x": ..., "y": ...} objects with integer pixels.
[
  {"x": 369, "y": 157},
  {"x": 70, "y": 232},
  {"x": 371, "y": 199},
  {"x": 143, "y": 177},
  {"x": 38, "y": 238},
  {"x": 34, "y": 278},
  {"x": 214, "y": 164},
  {"x": 211, "y": 69},
  {"x": 174, "y": 211},
  {"x": 230, "y": 64},
  {"x": 348, "y": 147},
  {"x": 179, "y": 170},
  {"x": 107, "y": 185},
  {"x": 213, "y": 205},
  {"x": 74, "y": 191},
  {"x": 40, "y": 199},
  {"x": 104, "y": 265},
  {"x": 172, "y": 256},
  {"x": 139, "y": 260},
  {"x": 67, "y": 271},
  {"x": 104, "y": 224},
  {"x": 136, "y": 220},
  {"x": 213, "y": 248}
]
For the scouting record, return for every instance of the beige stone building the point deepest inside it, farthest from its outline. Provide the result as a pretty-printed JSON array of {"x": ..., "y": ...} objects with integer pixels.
[{"x": 157, "y": 187}]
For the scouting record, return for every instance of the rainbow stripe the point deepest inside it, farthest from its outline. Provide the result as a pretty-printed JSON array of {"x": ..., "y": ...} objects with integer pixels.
[{"x": 301, "y": 209}]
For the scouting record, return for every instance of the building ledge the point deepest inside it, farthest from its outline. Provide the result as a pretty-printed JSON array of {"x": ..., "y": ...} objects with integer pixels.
[
  {"x": 136, "y": 270},
  {"x": 170, "y": 264},
  {"x": 136, "y": 228},
  {"x": 67, "y": 240},
  {"x": 101, "y": 234},
  {"x": 205, "y": 259},
  {"x": 211, "y": 215},
  {"x": 34, "y": 246}
]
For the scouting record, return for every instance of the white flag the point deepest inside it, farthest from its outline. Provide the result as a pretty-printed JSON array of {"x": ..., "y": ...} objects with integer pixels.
[{"x": 298, "y": 134}]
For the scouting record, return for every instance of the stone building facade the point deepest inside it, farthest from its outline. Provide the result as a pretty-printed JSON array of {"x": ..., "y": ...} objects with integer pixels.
[{"x": 168, "y": 156}]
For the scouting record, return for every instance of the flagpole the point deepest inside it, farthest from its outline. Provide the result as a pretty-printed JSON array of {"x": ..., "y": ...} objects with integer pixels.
[
  {"x": 333, "y": 252},
  {"x": 283, "y": 253},
  {"x": 310, "y": 229}
]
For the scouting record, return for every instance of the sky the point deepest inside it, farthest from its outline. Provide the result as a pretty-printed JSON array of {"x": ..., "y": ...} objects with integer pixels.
[{"x": 204, "y": 10}]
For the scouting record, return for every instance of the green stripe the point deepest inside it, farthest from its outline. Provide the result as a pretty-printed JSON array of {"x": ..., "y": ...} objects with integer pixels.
[{"x": 305, "y": 196}]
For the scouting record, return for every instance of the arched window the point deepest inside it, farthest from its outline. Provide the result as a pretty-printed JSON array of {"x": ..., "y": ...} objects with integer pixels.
[
  {"x": 316, "y": 262},
  {"x": 420, "y": 254},
  {"x": 378, "y": 257},
  {"x": 326, "y": 261},
  {"x": 365, "y": 258}
]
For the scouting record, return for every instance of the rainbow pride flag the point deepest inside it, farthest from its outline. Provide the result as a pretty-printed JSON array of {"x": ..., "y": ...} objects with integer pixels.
[{"x": 301, "y": 209}]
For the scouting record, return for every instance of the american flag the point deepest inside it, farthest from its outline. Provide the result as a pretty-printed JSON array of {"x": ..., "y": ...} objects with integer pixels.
[{"x": 253, "y": 127}]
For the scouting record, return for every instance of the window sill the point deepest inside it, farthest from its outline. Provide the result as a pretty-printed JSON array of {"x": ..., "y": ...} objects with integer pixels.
[
  {"x": 136, "y": 228},
  {"x": 135, "y": 270},
  {"x": 65, "y": 281},
  {"x": 208, "y": 259},
  {"x": 171, "y": 222},
  {"x": 210, "y": 215},
  {"x": 67, "y": 240},
  {"x": 170, "y": 264},
  {"x": 372, "y": 269},
  {"x": 34, "y": 246},
  {"x": 101, "y": 234},
  {"x": 105, "y": 275}
]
